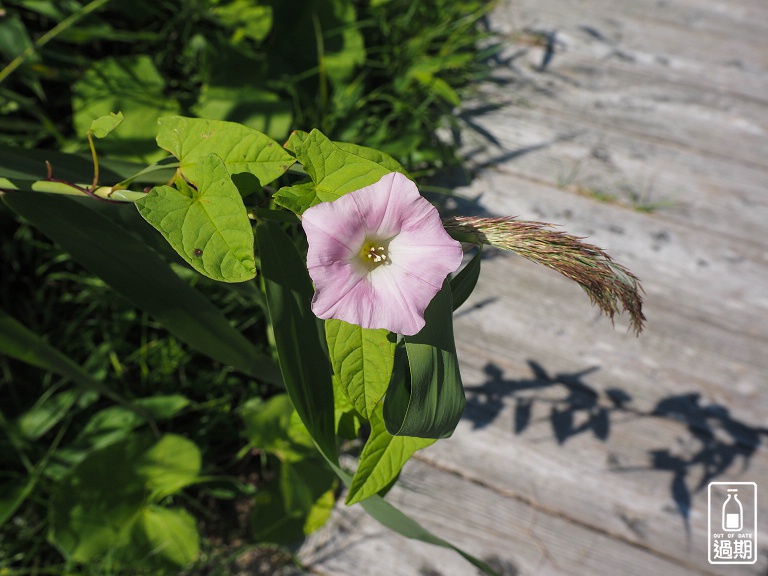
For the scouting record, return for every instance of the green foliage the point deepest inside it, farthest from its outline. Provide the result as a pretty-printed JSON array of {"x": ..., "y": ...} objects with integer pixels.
[
  {"x": 381, "y": 459},
  {"x": 366, "y": 72},
  {"x": 244, "y": 151},
  {"x": 108, "y": 502},
  {"x": 125, "y": 365},
  {"x": 428, "y": 400},
  {"x": 208, "y": 226},
  {"x": 333, "y": 172},
  {"x": 362, "y": 363}
]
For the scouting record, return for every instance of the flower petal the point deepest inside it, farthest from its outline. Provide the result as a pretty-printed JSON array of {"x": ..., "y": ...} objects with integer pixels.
[{"x": 382, "y": 206}]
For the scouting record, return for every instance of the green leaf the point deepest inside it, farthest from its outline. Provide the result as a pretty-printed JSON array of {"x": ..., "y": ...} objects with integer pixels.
[
  {"x": 465, "y": 281},
  {"x": 305, "y": 367},
  {"x": 294, "y": 139},
  {"x": 362, "y": 361},
  {"x": 298, "y": 197},
  {"x": 166, "y": 534},
  {"x": 162, "y": 407},
  {"x": 430, "y": 403},
  {"x": 208, "y": 227},
  {"x": 404, "y": 525},
  {"x": 133, "y": 85},
  {"x": 106, "y": 249},
  {"x": 381, "y": 460},
  {"x": 373, "y": 155},
  {"x": 269, "y": 426},
  {"x": 246, "y": 104},
  {"x": 170, "y": 465},
  {"x": 297, "y": 504},
  {"x": 334, "y": 171},
  {"x": 105, "y": 124},
  {"x": 100, "y": 505},
  {"x": 242, "y": 149},
  {"x": 117, "y": 422},
  {"x": 46, "y": 413}
]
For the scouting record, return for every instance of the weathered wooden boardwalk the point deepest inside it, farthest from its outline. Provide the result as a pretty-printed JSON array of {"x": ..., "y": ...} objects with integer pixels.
[{"x": 585, "y": 450}]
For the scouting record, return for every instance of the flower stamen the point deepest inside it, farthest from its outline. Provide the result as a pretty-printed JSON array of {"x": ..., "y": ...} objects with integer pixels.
[{"x": 376, "y": 253}]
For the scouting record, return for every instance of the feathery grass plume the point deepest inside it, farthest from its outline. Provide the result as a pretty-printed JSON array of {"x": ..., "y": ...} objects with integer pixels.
[{"x": 607, "y": 283}]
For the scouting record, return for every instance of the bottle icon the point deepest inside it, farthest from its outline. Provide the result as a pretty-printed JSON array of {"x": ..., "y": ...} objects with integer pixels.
[{"x": 733, "y": 513}]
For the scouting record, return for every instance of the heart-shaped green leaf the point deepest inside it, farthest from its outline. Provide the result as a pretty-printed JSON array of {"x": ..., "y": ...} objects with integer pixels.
[
  {"x": 242, "y": 149},
  {"x": 105, "y": 504},
  {"x": 208, "y": 227},
  {"x": 334, "y": 171}
]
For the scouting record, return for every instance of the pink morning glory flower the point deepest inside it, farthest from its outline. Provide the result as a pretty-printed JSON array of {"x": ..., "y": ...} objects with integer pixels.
[{"x": 378, "y": 255}]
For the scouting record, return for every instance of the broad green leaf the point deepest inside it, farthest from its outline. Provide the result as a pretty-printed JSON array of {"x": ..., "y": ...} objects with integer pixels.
[
  {"x": 294, "y": 139},
  {"x": 170, "y": 465},
  {"x": 92, "y": 509},
  {"x": 347, "y": 419},
  {"x": 297, "y": 137},
  {"x": 166, "y": 534},
  {"x": 297, "y": 332},
  {"x": 105, "y": 124},
  {"x": 373, "y": 155},
  {"x": 298, "y": 197},
  {"x": 382, "y": 458},
  {"x": 335, "y": 171},
  {"x": 133, "y": 85},
  {"x": 269, "y": 426},
  {"x": 320, "y": 512},
  {"x": 117, "y": 422},
  {"x": 246, "y": 104},
  {"x": 464, "y": 282},
  {"x": 298, "y": 503},
  {"x": 242, "y": 149},
  {"x": 429, "y": 401},
  {"x": 335, "y": 168},
  {"x": 208, "y": 227},
  {"x": 107, "y": 250},
  {"x": 100, "y": 505},
  {"x": 362, "y": 361}
]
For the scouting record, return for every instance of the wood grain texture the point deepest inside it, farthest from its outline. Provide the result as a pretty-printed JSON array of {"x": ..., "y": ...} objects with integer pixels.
[{"x": 583, "y": 449}]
